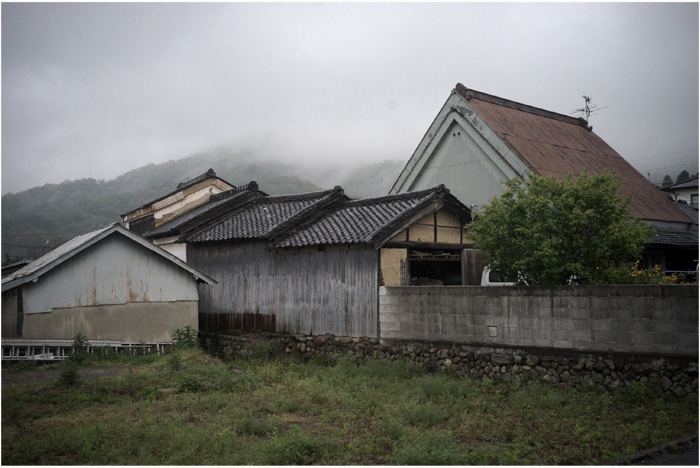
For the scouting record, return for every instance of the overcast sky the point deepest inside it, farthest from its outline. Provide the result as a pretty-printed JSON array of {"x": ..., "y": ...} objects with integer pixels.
[{"x": 93, "y": 90}]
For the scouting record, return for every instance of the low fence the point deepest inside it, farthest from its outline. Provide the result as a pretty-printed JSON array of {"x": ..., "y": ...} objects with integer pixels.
[
  {"x": 656, "y": 320},
  {"x": 19, "y": 349}
]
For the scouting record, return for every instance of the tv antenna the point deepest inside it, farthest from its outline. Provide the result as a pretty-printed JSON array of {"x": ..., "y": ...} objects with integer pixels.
[{"x": 589, "y": 109}]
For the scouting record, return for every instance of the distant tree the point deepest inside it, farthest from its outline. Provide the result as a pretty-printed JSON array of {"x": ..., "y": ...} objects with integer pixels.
[
  {"x": 667, "y": 181},
  {"x": 553, "y": 232},
  {"x": 682, "y": 177}
]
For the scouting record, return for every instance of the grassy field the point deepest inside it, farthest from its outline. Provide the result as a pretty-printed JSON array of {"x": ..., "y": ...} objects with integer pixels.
[{"x": 189, "y": 408}]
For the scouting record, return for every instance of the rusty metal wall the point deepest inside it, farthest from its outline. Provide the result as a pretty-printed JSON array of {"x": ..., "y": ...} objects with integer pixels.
[
  {"x": 313, "y": 292},
  {"x": 113, "y": 271}
]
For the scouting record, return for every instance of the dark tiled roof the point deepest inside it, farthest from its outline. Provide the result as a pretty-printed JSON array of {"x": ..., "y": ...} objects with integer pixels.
[
  {"x": 367, "y": 221},
  {"x": 555, "y": 144},
  {"x": 181, "y": 186},
  {"x": 229, "y": 198},
  {"x": 687, "y": 238},
  {"x": 265, "y": 216}
]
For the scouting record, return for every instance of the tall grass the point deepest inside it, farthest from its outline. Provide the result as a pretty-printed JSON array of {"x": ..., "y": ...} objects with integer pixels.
[{"x": 190, "y": 408}]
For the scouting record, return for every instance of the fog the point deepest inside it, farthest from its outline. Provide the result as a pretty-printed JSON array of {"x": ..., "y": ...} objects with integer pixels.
[{"x": 94, "y": 90}]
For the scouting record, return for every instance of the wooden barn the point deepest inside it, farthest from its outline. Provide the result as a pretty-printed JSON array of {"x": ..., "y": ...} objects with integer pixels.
[
  {"x": 312, "y": 263},
  {"x": 109, "y": 284}
]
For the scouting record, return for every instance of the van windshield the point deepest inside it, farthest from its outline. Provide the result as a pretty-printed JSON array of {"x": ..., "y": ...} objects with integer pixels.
[{"x": 496, "y": 277}]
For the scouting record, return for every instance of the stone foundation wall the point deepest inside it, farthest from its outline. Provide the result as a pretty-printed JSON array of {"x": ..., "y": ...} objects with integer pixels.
[{"x": 520, "y": 366}]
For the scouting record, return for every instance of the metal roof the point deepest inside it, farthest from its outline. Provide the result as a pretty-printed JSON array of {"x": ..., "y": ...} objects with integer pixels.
[
  {"x": 555, "y": 144},
  {"x": 690, "y": 183},
  {"x": 76, "y": 245}
]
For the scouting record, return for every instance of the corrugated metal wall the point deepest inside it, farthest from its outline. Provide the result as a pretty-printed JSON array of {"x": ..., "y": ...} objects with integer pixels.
[
  {"x": 113, "y": 271},
  {"x": 333, "y": 291}
]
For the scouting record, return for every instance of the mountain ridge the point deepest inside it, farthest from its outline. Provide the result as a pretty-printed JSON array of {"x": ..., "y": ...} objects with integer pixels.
[{"x": 55, "y": 213}]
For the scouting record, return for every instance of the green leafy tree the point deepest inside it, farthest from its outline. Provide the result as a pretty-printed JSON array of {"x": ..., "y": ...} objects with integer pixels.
[
  {"x": 554, "y": 232},
  {"x": 682, "y": 177},
  {"x": 667, "y": 181}
]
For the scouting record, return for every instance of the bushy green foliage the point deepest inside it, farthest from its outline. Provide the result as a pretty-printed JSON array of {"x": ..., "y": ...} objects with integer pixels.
[
  {"x": 185, "y": 337},
  {"x": 69, "y": 375},
  {"x": 630, "y": 273},
  {"x": 556, "y": 232}
]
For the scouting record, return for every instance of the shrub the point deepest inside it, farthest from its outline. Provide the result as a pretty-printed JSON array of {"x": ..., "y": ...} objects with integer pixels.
[
  {"x": 70, "y": 375},
  {"x": 80, "y": 352},
  {"x": 297, "y": 448},
  {"x": 185, "y": 337}
]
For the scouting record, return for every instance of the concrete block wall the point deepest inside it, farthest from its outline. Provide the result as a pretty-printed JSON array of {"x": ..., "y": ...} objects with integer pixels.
[{"x": 654, "y": 319}]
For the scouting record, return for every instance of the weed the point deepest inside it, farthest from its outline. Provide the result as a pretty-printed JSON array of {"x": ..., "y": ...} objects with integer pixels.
[
  {"x": 185, "y": 337},
  {"x": 23, "y": 366},
  {"x": 70, "y": 376},
  {"x": 427, "y": 415},
  {"x": 80, "y": 351},
  {"x": 175, "y": 362},
  {"x": 636, "y": 393},
  {"x": 262, "y": 351},
  {"x": 252, "y": 425},
  {"x": 429, "y": 448},
  {"x": 296, "y": 447}
]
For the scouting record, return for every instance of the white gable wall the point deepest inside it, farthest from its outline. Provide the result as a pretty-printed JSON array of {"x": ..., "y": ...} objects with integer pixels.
[
  {"x": 463, "y": 153},
  {"x": 116, "y": 270}
]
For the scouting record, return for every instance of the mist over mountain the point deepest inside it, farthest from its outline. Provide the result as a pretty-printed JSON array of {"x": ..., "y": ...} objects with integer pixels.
[{"x": 55, "y": 213}]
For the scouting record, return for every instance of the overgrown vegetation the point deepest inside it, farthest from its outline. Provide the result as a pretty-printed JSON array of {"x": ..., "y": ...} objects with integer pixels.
[
  {"x": 576, "y": 230},
  {"x": 190, "y": 408}
]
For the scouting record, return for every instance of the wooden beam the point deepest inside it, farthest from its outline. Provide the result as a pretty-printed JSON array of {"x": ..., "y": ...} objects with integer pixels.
[{"x": 427, "y": 245}]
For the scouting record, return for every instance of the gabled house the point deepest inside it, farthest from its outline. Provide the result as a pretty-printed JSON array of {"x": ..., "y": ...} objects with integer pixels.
[
  {"x": 185, "y": 197},
  {"x": 220, "y": 204},
  {"x": 686, "y": 191},
  {"x": 478, "y": 140},
  {"x": 109, "y": 284},
  {"x": 313, "y": 263}
]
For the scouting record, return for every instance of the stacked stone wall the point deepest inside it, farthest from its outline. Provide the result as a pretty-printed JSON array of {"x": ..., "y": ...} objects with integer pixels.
[{"x": 518, "y": 366}]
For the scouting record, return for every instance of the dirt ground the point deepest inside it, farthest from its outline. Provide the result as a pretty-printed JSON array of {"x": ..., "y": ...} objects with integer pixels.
[{"x": 36, "y": 376}]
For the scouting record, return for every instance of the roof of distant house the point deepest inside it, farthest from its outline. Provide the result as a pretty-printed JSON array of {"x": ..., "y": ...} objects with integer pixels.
[
  {"x": 210, "y": 174},
  {"x": 687, "y": 238},
  {"x": 76, "y": 245},
  {"x": 372, "y": 220},
  {"x": 218, "y": 202},
  {"x": 266, "y": 217},
  {"x": 690, "y": 183},
  {"x": 555, "y": 144}
]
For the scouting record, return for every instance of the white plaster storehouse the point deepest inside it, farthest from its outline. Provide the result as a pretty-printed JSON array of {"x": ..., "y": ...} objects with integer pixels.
[{"x": 109, "y": 284}]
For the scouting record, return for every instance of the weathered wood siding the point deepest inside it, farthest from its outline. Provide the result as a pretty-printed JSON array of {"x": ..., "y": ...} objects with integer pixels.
[{"x": 313, "y": 292}]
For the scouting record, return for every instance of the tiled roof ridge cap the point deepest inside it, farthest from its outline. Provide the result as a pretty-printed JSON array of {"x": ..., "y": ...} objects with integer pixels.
[
  {"x": 398, "y": 196},
  {"x": 469, "y": 94},
  {"x": 298, "y": 196},
  {"x": 181, "y": 186},
  {"x": 252, "y": 185},
  {"x": 332, "y": 195},
  {"x": 206, "y": 175}
]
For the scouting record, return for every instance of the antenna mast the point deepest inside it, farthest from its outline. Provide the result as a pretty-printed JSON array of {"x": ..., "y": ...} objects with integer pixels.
[{"x": 588, "y": 110}]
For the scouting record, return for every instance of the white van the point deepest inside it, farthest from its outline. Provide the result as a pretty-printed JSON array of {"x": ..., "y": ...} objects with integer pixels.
[{"x": 493, "y": 278}]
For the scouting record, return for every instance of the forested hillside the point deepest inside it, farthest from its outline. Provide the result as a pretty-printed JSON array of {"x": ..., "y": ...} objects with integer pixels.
[{"x": 59, "y": 212}]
